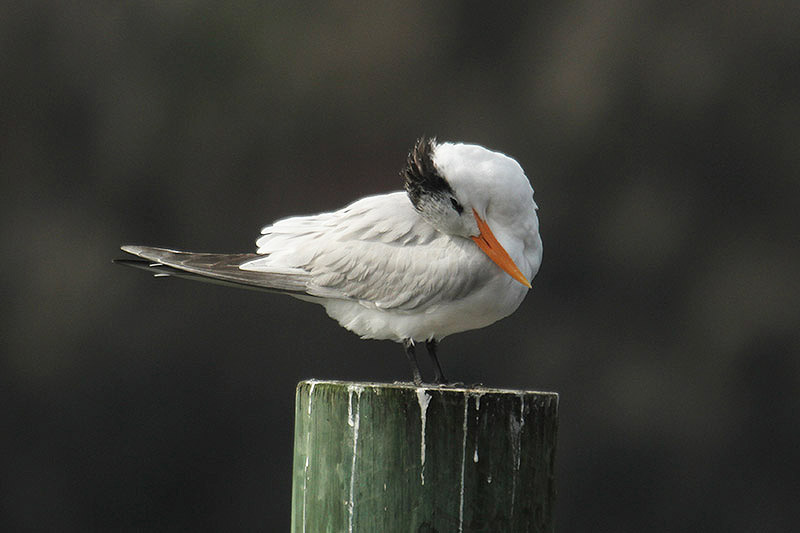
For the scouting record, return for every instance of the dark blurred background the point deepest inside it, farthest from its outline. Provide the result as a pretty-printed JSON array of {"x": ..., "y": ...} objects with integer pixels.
[{"x": 663, "y": 143}]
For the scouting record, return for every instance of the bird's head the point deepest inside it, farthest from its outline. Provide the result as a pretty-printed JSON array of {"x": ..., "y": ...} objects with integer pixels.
[{"x": 462, "y": 189}]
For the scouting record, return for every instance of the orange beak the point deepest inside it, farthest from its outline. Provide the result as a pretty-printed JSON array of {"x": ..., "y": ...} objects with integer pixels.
[{"x": 487, "y": 242}]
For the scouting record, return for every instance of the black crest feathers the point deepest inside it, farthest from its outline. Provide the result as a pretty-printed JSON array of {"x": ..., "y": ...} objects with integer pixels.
[{"x": 420, "y": 176}]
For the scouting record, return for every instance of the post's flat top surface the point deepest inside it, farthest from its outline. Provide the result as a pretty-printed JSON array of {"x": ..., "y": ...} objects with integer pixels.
[{"x": 461, "y": 389}]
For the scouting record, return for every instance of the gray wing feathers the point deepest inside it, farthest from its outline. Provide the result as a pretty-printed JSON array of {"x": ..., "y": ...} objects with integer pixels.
[
  {"x": 222, "y": 268},
  {"x": 393, "y": 278},
  {"x": 377, "y": 251}
]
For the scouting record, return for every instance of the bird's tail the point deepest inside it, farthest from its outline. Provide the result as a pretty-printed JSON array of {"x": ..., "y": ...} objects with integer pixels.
[{"x": 220, "y": 269}]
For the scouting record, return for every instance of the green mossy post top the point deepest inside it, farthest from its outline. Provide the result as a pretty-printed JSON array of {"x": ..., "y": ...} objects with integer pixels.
[
  {"x": 397, "y": 457},
  {"x": 458, "y": 389}
]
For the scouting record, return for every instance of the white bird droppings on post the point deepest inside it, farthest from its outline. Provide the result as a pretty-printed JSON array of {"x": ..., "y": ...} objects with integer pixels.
[
  {"x": 353, "y": 420},
  {"x": 477, "y": 397},
  {"x": 516, "y": 444},
  {"x": 306, "y": 467},
  {"x": 311, "y": 395},
  {"x": 424, "y": 400},
  {"x": 463, "y": 461}
]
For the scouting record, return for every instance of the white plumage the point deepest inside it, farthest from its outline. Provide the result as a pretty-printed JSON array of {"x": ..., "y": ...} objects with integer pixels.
[{"x": 408, "y": 266}]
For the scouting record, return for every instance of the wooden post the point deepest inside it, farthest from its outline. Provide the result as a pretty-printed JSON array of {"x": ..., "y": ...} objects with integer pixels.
[{"x": 377, "y": 457}]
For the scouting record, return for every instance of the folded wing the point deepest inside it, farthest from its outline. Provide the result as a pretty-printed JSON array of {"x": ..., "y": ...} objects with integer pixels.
[{"x": 377, "y": 251}]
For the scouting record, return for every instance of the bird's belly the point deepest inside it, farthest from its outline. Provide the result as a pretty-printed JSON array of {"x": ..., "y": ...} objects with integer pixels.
[{"x": 479, "y": 309}]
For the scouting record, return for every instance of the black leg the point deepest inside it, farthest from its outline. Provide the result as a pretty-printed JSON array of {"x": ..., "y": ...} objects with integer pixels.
[
  {"x": 412, "y": 360},
  {"x": 437, "y": 368}
]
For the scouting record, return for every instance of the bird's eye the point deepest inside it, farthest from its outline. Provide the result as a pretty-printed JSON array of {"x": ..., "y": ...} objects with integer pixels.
[{"x": 457, "y": 206}]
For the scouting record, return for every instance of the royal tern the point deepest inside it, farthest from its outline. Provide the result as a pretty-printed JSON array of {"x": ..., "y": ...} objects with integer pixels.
[{"x": 455, "y": 251}]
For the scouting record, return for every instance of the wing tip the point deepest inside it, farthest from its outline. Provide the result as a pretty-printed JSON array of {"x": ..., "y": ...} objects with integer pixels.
[
  {"x": 132, "y": 249},
  {"x": 147, "y": 252}
]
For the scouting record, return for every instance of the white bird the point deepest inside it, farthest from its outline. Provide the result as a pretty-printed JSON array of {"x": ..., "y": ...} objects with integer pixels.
[{"x": 456, "y": 251}]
